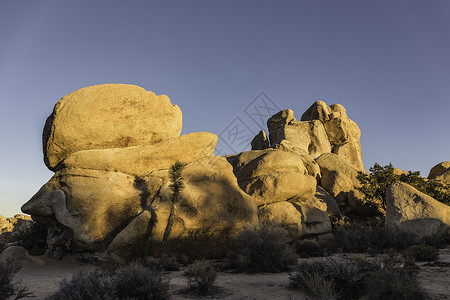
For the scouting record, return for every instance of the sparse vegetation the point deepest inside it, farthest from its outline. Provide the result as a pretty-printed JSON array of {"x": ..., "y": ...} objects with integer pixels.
[
  {"x": 422, "y": 252},
  {"x": 356, "y": 279},
  {"x": 309, "y": 248},
  {"x": 134, "y": 281},
  {"x": 201, "y": 276},
  {"x": 375, "y": 183},
  {"x": 263, "y": 249},
  {"x": 8, "y": 288}
]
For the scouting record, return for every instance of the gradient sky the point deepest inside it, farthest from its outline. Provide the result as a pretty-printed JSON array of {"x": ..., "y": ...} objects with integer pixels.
[{"x": 387, "y": 62}]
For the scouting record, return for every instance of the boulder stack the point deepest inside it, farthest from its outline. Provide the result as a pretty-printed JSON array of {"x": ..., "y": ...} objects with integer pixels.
[{"x": 111, "y": 147}]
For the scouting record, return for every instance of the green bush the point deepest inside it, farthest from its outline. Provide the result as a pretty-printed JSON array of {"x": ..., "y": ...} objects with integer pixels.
[
  {"x": 375, "y": 183},
  {"x": 264, "y": 249},
  {"x": 201, "y": 276},
  {"x": 131, "y": 282},
  {"x": 7, "y": 287}
]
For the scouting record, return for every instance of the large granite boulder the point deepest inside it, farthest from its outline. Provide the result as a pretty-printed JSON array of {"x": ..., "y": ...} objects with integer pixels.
[
  {"x": 343, "y": 134},
  {"x": 211, "y": 200},
  {"x": 414, "y": 211},
  {"x": 273, "y": 175},
  {"x": 108, "y": 116},
  {"x": 141, "y": 160},
  {"x": 85, "y": 205},
  {"x": 339, "y": 176},
  {"x": 309, "y": 136},
  {"x": 441, "y": 172}
]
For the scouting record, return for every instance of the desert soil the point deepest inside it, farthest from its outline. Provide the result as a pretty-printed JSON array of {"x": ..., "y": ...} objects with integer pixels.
[{"x": 41, "y": 275}]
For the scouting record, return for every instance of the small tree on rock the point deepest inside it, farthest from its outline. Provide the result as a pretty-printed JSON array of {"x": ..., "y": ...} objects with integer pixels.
[{"x": 176, "y": 186}]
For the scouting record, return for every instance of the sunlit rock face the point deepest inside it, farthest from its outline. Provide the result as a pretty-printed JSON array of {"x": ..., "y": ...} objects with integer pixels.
[
  {"x": 103, "y": 189},
  {"x": 441, "y": 172},
  {"x": 108, "y": 116},
  {"x": 343, "y": 134},
  {"x": 415, "y": 212},
  {"x": 111, "y": 147}
]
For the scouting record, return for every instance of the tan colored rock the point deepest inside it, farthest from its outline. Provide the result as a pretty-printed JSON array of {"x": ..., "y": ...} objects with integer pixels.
[
  {"x": 343, "y": 134},
  {"x": 134, "y": 236},
  {"x": 332, "y": 162},
  {"x": 311, "y": 166},
  {"x": 309, "y": 136},
  {"x": 277, "y": 121},
  {"x": 17, "y": 223},
  {"x": 210, "y": 200},
  {"x": 337, "y": 185},
  {"x": 405, "y": 203},
  {"x": 141, "y": 160},
  {"x": 270, "y": 162},
  {"x": 398, "y": 172},
  {"x": 332, "y": 206},
  {"x": 260, "y": 141},
  {"x": 441, "y": 172},
  {"x": 108, "y": 116},
  {"x": 299, "y": 218},
  {"x": 274, "y": 175},
  {"x": 279, "y": 186},
  {"x": 319, "y": 110},
  {"x": 90, "y": 203}
]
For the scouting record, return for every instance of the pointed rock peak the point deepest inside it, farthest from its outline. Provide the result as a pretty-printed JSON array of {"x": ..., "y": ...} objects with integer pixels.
[
  {"x": 318, "y": 111},
  {"x": 260, "y": 141},
  {"x": 281, "y": 118}
]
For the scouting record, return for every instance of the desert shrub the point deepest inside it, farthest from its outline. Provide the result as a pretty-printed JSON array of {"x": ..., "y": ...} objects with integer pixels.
[
  {"x": 343, "y": 276},
  {"x": 201, "y": 276},
  {"x": 309, "y": 248},
  {"x": 422, "y": 252},
  {"x": 7, "y": 287},
  {"x": 375, "y": 183},
  {"x": 87, "y": 285},
  {"x": 166, "y": 263},
  {"x": 385, "y": 278},
  {"x": 200, "y": 243},
  {"x": 357, "y": 238},
  {"x": 34, "y": 238},
  {"x": 131, "y": 282},
  {"x": 263, "y": 249},
  {"x": 393, "y": 283},
  {"x": 139, "y": 282}
]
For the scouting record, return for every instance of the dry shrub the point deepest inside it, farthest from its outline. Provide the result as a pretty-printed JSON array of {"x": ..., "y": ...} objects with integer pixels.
[
  {"x": 134, "y": 281},
  {"x": 263, "y": 249},
  {"x": 201, "y": 276}
]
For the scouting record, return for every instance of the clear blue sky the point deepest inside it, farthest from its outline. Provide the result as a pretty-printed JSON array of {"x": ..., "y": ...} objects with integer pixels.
[{"x": 387, "y": 62}]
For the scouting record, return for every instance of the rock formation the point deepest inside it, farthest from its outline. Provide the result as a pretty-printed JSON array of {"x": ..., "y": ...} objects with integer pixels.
[
  {"x": 414, "y": 211},
  {"x": 111, "y": 147},
  {"x": 441, "y": 172}
]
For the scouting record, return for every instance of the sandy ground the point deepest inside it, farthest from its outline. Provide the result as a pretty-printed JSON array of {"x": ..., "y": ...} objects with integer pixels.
[{"x": 42, "y": 276}]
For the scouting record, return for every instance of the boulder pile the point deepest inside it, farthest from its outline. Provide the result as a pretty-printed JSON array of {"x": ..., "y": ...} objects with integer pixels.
[{"x": 111, "y": 147}]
